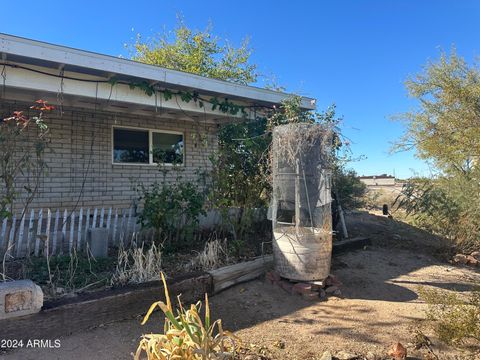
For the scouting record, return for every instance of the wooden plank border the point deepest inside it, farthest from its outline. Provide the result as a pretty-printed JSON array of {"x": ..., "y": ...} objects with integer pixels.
[{"x": 64, "y": 317}]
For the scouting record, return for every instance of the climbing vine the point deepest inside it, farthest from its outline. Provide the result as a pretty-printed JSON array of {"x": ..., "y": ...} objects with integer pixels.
[{"x": 225, "y": 106}]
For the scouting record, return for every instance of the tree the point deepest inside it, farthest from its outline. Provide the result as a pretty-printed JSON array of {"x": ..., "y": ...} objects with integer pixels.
[
  {"x": 198, "y": 52},
  {"x": 445, "y": 129},
  {"x": 446, "y": 126},
  {"x": 241, "y": 172}
]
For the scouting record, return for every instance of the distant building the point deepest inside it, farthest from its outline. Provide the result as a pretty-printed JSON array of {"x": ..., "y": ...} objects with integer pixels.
[{"x": 378, "y": 180}]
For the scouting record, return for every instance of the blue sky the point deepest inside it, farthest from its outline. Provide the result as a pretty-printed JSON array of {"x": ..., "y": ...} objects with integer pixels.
[{"x": 356, "y": 54}]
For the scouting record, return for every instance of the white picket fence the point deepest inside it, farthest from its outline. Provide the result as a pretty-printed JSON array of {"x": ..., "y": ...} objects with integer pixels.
[{"x": 43, "y": 232}]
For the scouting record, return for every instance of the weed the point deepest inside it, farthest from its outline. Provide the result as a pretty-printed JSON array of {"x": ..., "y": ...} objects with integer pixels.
[
  {"x": 69, "y": 272},
  {"x": 137, "y": 265},
  {"x": 212, "y": 256},
  {"x": 456, "y": 318}
]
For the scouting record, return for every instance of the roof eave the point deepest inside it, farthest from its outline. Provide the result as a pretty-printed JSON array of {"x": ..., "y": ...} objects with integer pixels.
[{"x": 61, "y": 55}]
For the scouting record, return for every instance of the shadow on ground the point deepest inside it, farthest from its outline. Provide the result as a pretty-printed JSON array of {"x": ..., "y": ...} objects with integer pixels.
[{"x": 379, "y": 307}]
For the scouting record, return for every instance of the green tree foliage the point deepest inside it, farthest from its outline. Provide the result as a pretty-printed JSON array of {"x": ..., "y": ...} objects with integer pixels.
[
  {"x": 445, "y": 129},
  {"x": 241, "y": 171},
  {"x": 198, "y": 52},
  {"x": 242, "y": 175},
  {"x": 446, "y": 126}
]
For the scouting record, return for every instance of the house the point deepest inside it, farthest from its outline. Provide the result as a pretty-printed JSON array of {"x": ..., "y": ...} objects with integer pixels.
[
  {"x": 378, "y": 180},
  {"x": 111, "y": 112}
]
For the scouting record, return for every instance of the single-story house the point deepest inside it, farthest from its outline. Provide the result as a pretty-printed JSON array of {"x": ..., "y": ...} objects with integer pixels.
[
  {"x": 111, "y": 112},
  {"x": 378, "y": 180}
]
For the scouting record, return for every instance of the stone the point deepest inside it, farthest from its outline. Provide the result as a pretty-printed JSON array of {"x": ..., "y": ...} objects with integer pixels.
[
  {"x": 98, "y": 242},
  {"x": 472, "y": 260},
  {"x": 370, "y": 356},
  {"x": 344, "y": 355},
  {"x": 460, "y": 259},
  {"x": 398, "y": 352},
  {"x": 302, "y": 288},
  {"x": 19, "y": 298},
  {"x": 476, "y": 255},
  {"x": 310, "y": 296},
  {"x": 327, "y": 355},
  {"x": 272, "y": 277}
]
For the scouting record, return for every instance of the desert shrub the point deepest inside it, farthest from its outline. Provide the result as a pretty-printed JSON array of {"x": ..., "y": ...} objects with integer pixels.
[
  {"x": 186, "y": 335},
  {"x": 456, "y": 318},
  {"x": 445, "y": 206},
  {"x": 137, "y": 265}
]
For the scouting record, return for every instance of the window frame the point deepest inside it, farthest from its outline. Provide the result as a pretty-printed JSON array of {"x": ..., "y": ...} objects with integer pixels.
[{"x": 150, "y": 145}]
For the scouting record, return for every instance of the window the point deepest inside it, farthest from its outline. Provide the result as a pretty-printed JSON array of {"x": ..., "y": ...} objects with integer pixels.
[
  {"x": 139, "y": 146},
  {"x": 167, "y": 148},
  {"x": 130, "y": 146}
]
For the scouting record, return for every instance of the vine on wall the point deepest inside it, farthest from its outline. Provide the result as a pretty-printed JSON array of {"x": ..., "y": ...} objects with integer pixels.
[{"x": 226, "y": 106}]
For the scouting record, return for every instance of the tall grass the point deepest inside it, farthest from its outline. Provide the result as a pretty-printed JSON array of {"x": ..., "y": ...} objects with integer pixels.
[
  {"x": 137, "y": 265},
  {"x": 214, "y": 255}
]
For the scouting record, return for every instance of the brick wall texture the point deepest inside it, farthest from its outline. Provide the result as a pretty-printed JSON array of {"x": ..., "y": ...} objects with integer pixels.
[{"x": 80, "y": 170}]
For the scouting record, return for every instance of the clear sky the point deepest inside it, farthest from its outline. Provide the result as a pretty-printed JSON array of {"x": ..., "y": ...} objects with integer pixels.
[{"x": 354, "y": 53}]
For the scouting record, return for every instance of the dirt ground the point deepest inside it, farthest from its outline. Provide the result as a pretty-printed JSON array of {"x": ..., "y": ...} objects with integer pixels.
[{"x": 380, "y": 305}]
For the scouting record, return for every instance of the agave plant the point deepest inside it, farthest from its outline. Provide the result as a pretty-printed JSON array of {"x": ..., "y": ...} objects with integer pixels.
[{"x": 186, "y": 336}]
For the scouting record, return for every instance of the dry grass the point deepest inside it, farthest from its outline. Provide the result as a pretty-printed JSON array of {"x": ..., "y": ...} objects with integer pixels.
[
  {"x": 137, "y": 265},
  {"x": 214, "y": 255},
  {"x": 375, "y": 198}
]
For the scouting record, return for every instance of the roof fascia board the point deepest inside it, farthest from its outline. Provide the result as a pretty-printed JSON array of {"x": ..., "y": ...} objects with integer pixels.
[
  {"x": 109, "y": 64},
  {"x": 23, "y": 79}
]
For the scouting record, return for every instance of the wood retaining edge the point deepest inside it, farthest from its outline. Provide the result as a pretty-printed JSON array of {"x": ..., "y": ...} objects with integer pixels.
[
  {"x": 227, "y": 276},
  {"x": 67, "y": 317}
]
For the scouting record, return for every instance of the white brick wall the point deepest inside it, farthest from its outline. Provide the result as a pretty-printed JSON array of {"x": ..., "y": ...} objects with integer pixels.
[{"x": 106, "y": 184}]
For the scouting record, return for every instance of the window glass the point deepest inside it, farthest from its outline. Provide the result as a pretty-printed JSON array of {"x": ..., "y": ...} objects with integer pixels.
[
  {"x": 167, "y": 148},
  {"x": 130, "y": 146}
]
